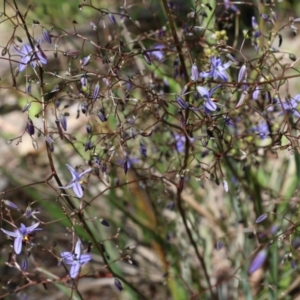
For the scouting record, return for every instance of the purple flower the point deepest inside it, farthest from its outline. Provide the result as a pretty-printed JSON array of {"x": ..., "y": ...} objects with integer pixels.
[
  {"x": 76, "y": 259},
  {"x": 206, "y": 94},
  {"x": 255, "y": 27},
  {"x": 75, "y": 182},
  {"x": 256, "y": 93},
  {"x": 85, "y": 61},
  {"x": 180, "y": 142},
  {"x": 159, "y": 53},
  {"x": 20, "y": 234},
  {"x": 10, "y": 204},
  {"x": 30, "y": 56},
  {"x": 217, "y": 69},
  {"x": 263, "y": 129},
  {"x": 228, "y": 5},
  {"x": 242, "y": 73},
  {"x": 258, "y": 261},
  {"x": 289, "y": 106}
]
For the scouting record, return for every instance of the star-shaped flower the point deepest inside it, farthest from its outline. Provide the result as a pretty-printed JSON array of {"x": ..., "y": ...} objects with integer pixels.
[
  {"x": 20, "y": 234},
  {"x": 206, "y": 94},
  {"x": 75, "y": 182},
  {"x": 30, "y": 56},
  {"x": 217, "y": 69},
  {"x": 290, "y": 105},
  {"x": 76, "y": 259}
]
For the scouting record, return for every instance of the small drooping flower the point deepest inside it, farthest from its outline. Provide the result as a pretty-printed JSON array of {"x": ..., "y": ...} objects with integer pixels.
[
  {"x": 217, "y": 69},
  {"x": 263, "y": 129},
  {"x": 75, "y": 183},
  {"x": 159, "y": 53},
  {"x": 229, "y": 5},
  {"x": 30, "y": 56},
  {"x": 75, "y": 260},
  {"x": 255, "y": 27},
  {"x": 258, "y": 261},
  {"x": 206, "y": 94},
  {"x": 21, "y": 234},
  {"x": 180, "y": 142},
  {"x": 290, "y": 105}
]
